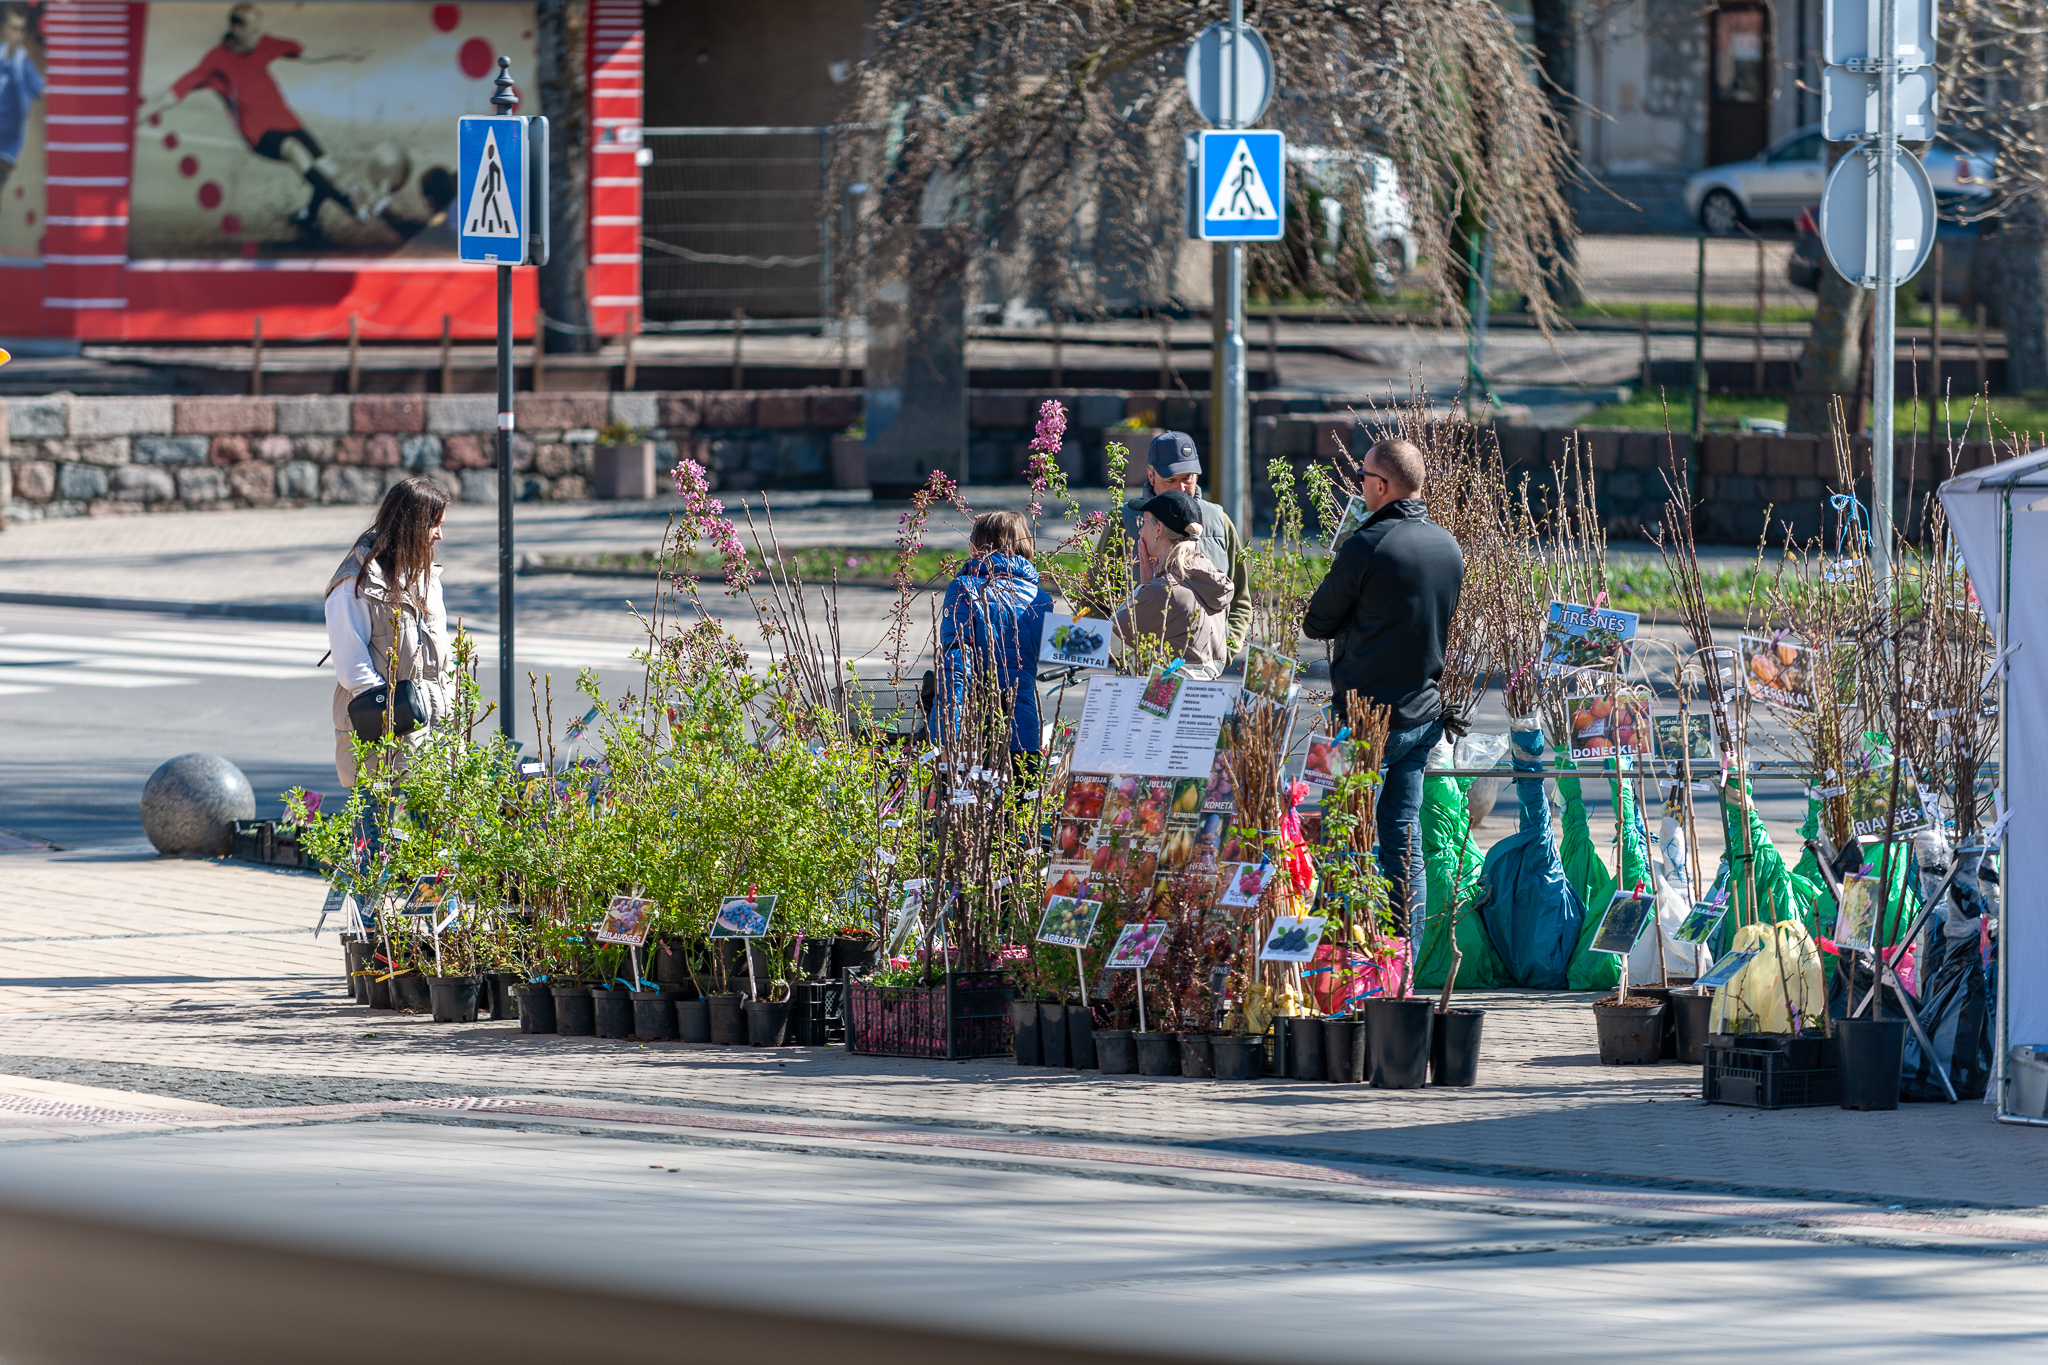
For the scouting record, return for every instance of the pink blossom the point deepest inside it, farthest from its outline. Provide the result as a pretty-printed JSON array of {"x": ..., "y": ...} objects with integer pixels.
[{"x": 703, "y": 520}]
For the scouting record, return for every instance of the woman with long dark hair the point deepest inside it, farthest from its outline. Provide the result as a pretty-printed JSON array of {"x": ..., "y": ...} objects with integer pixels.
[{"x": 385, "y": 621}]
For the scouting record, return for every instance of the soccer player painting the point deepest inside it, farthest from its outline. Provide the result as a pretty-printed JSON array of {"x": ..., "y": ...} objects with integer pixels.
[{"x": 238, "y": 70}]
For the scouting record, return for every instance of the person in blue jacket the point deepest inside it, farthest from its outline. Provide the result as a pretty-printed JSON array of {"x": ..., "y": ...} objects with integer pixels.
[{"x": 993, "y": 615}]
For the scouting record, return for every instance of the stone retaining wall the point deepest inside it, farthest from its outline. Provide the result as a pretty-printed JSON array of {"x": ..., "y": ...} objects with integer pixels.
[{"x": 64, "y": 456}]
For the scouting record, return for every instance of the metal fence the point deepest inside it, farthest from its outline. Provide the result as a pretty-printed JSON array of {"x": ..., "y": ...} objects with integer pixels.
[{"x": 735, "y": 220}]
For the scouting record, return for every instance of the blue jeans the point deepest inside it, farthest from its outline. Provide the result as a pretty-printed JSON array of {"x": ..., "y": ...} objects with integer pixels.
[{"x": 1400, "y": 823}]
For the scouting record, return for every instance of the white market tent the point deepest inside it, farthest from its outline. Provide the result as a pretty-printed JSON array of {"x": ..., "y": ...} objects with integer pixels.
[{"x": 2000, "y": 518}]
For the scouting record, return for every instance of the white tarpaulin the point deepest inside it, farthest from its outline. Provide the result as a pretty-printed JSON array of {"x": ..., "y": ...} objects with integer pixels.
[{"x": 2000, "y": 518}]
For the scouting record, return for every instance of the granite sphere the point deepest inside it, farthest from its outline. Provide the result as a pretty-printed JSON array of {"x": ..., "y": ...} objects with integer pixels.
[{"x": 191, "y": 803}]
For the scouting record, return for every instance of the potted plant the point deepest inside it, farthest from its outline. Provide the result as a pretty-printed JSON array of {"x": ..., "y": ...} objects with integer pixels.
[{"x": 622, "y": 465}]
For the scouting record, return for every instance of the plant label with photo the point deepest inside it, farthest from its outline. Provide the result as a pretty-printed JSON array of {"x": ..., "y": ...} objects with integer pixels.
[
  {"x": 1245, "y": 883},
  {"x": 429, "y": 895},
  {"x": 1722, "y": 972},
  {"x": 1356, "y": 514},
  {"x": 1294, "y": 939},
  {"x": 627, "y": 920},
  {"x": 1162, "y": 690},
  {"x": 1701, "y": 921},
  {"x": 1786, "y": 674},
  {"x": 1137, "y": 945},
  {"x": 1868, "y": 784},
  {"x": 743, "y": 917},
  {"x": 1586, "y": 637},
  {"x": 1856, "y": 921},
  {"x": 1696, "y": 744},
  {"x": 1324, "y": 762},
  {"x": 1067, "y": 922},
  {"x": 1611, "y": 726},
  {"x": 1074, "y": 642},
  {"x": 1066, "y": 879},
  {"x": 1628, "y": 914},
  {"x": 1270, "y": 675}
]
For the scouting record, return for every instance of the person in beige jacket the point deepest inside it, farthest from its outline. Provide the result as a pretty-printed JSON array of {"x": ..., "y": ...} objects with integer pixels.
[
  {"x": 1182, "y": 597},
  {"x": 384, "y": 601}
]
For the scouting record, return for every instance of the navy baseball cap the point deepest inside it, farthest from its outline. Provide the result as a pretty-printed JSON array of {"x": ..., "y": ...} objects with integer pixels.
[{"x": 1173, "y": 454}]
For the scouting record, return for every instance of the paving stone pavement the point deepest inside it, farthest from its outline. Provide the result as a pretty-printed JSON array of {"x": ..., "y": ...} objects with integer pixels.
[{"x": 201, "y": 980}]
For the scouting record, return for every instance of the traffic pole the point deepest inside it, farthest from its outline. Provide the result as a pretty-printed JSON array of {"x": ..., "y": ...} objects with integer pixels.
[
  {"x": 1884, "y": 340},
  {"x": 504, "y": 100},
  {"x": 1233, "y": 480}
]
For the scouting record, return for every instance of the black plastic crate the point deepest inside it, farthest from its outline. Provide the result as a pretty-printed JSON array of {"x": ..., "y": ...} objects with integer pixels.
[
  {"x": 253, "y": 840},
  {"x": 968, "y": 1016},
  {"x": 817, "y": 1013},
  {"x": 1758, "y": 1078}
]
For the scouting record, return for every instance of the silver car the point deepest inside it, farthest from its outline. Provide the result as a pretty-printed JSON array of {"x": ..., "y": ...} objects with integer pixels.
[{"x": 1788, "y": 176}]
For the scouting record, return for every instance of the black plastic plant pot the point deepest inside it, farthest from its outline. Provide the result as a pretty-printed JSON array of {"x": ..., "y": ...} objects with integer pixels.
[
  {"x": 1873, "y": 1052},
  {"x": 377, "y": 993},
  {"x": 728, "y": 1021},
  {"x": 1080, "y": 1038},
  {"x": 1024, "y": 1036},
  {"x": 817, "y": 958},
  {"x": 356, "y": 952},
  {"x": 613, "y": 1011},
  {"x": 1115, "y": 1053},
  {"x": 1692, "y": 1013},
  {"x": 536, "y": 1008},
  {"x": 348, "y": 970},
  {"x": 1343, "y": 1052},
  {"x": 1305, "y": 1048},
  {"x": 654, "y": 1016},
  {"x": 498, "y": 996},
  {"x": 453, "y": 998},
  {"x": 575, "y": 1011},
  {"x": 409, "y": 993},
  {"x": 1052, "y": 1034},
  {"x": 1236, "y": 1056},
  {"x": 1195, "y": 1061},
  {"x": 767, "y": 1022},
  {"x": 693, "y": 1021},
  {"x": 1631, "y": 1034},
  {"x": 1454, "y": 1047},
  {"x": 855, "y": 954},
  {"x": 1399, "y": 1033},
  {"x": 1158, "y": 1054}
]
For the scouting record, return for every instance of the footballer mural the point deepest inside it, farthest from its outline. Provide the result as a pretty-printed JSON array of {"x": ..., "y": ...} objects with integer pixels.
[{"x": 293, "y": 130}]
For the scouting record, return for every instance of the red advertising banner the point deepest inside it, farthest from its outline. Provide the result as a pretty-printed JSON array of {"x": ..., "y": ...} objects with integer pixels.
[{"x": 175, "y": 170}]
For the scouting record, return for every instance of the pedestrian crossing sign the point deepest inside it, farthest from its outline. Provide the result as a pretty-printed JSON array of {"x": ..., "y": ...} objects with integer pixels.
[
  {"x": 1241, "y": 184},
  {"x": 491, "y": 189}
]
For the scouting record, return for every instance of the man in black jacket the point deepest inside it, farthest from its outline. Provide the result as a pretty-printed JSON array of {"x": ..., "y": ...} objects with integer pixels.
[{"x": 1387, "y": 603}]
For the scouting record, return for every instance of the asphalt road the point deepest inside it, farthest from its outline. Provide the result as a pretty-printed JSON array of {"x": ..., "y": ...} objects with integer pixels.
[{"x": 91, "y": 702}]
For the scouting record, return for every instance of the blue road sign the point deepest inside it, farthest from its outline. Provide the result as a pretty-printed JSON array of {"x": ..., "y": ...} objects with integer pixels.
[
  {"x": 1243, "y": 184},
  {"x": 491, "y": 189}
]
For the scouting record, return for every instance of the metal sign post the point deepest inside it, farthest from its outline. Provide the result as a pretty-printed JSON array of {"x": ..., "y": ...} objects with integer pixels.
[
  {"x": 502, "y": 190},
  {"x": 1236, "y": 191},
  {"x": 1884, "y": 365},
  {"x": 1870, "y": 45}
]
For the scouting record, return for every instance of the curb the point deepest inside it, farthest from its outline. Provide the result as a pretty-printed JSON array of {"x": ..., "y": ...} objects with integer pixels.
[{"x": 246, "y": 611}]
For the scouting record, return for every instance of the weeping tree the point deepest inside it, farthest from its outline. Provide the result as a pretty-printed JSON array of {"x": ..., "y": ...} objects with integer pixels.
[
  {"x": 1994, "y": 82},
  {"x": 1036, "y": 147}
]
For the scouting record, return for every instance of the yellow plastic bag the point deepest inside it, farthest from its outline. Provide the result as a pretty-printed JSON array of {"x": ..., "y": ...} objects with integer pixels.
[{"x": 1780, "y": 990}]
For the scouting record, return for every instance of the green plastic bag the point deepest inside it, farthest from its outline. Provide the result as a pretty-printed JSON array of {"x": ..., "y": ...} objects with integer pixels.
[
  {"x": 1451, "y": 855},
  {"x": 1589, "y": 877}
]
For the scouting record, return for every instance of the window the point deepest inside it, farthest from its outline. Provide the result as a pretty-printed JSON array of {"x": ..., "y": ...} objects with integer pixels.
[
  {"x": 1739, "y": 56},
  {"x": 1808, "y": 148}
]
